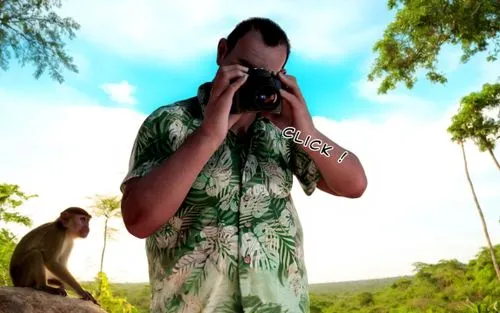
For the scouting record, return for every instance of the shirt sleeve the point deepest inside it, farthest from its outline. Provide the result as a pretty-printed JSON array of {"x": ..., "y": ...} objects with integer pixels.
[
  {"x": 151, "y": 146},
  {"x": 304, "y": 168}
]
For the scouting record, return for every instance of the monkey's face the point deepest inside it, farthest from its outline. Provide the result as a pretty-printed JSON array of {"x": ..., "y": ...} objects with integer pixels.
[{"x": 80, "y": 226}]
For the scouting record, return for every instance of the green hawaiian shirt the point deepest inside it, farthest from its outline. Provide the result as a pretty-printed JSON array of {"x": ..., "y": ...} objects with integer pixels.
[{"x": 235, "y": 244}]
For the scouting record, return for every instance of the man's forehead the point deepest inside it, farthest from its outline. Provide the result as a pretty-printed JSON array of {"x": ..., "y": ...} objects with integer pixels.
[{"x": 251, "y": 51}]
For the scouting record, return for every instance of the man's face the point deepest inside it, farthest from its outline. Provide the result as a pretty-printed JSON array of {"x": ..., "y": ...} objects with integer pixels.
[{"x": 251, "y": 51}]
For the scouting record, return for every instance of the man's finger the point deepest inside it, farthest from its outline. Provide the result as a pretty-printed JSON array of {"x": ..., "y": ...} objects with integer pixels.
[
  {"x": 233, "y": 67},
  {"x": 291, "y": 98},
  {"x": 291, "y": 85},
  {"x": 229, "y": 93},
  {"x": 234, "y": 86},
  {"x": 225, "y": 78}
]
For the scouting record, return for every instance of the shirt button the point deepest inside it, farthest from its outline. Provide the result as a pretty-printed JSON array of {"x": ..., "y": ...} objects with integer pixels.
[{"x": 247, "y": 259}]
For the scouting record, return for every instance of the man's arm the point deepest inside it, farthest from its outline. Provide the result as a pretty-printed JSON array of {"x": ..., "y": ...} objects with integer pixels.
[
  {"x": 347, "y": 178},
  {"x": 150, "y": 201}
]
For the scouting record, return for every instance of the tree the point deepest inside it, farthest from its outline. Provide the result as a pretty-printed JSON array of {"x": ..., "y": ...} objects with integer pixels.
[
  {"x": 481, "y": 129},
  {"x": 109, "y": 208},
  {"x": 421, "y": 27},
  {"x": 460, "y": 133},
  {"x": 108, "y": 301},
  {"x": 11, "y": 197},
  {"x": 32, "y": 32},
  {"x": 7, "y": 245}
]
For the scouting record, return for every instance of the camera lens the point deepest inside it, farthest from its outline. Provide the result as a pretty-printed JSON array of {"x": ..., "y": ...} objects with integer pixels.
[{"x": 266, "y": 96}]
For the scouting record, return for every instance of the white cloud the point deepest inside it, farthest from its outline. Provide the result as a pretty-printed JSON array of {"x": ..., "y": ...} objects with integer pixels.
[
  {"x": 121, "y": 92},
  {"x": 418, "y": 206},
  {"x": 175, "y": 31},
  {"x": 65, "y": 153},
  {"x": 399, "y": 100}
]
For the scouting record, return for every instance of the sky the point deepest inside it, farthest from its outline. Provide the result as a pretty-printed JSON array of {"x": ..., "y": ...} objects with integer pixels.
[{"x": 66, "y": 142}]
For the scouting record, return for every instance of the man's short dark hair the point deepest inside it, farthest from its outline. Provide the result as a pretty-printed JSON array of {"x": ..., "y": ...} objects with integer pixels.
[{"x": 272, "y": 34}]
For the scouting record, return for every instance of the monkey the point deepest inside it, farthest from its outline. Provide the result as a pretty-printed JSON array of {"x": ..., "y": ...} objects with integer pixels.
[{"x": 40, "y": 258}]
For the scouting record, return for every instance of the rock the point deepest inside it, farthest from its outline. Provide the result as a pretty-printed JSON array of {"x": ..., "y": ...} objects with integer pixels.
[{"x": 27, "y": 300}]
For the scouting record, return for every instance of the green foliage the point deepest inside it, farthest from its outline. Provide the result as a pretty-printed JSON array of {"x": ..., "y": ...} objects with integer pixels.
[
  {"x": 109, "y": 302},
  {"x": 106, "y": 206},
  {"x": 32, "y": 32},
  {"x": 421, "y": 27},
  {"x": 11, "y": 197},
  {"x": 139, "y": 294},
  {"x": 446, "y": 287},
  {"x": 482, "y": 270},
  {"x": 471, "y": 122},
  {"x": 358, "y": 286},
  {"x": 365, "y": 298},
  {"x": 7, "y": 245}
]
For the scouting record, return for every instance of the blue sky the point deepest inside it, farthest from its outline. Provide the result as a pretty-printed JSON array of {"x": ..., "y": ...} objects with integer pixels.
[
  {"x": 69, "y": 141},
  {"x": 329, "y": 88}
]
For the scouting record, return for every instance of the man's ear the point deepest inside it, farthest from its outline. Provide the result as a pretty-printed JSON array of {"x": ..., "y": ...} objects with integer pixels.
[{"x": 221, "y": 50}]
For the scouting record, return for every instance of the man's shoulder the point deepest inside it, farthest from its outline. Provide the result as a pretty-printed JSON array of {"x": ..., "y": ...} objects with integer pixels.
[
  {"x": 176, "y": 117},
  {"x": 183, "y": 109}
]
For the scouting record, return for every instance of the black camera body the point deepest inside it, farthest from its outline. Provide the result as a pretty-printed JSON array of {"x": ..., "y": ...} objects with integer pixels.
[{"x": 260, "y": 93}]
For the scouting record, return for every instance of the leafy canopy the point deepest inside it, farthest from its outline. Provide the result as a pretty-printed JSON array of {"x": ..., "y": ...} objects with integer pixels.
[
  {"x": 421, "y": 27},
  {"x": 12, "y": 197},
  {"x": 473, "y": 122},
  {"x": 32, "y": 32},
  {"x": 106, "y": 206}
]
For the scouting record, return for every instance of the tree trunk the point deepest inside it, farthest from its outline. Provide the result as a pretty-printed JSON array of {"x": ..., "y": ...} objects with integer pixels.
[
  {"x": 104, "y": 246},
  {"x": 494, "y": 158},
  {"x": 485, "y": 228},
  {"x": 102, "y": 254}
]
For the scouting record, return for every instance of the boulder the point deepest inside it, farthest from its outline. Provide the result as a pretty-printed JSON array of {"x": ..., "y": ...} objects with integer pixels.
[{"x": 27, "y": 300}]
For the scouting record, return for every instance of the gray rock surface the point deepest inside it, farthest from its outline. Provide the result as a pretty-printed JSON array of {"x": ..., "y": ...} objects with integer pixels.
[{"x": 27, "y": 300}]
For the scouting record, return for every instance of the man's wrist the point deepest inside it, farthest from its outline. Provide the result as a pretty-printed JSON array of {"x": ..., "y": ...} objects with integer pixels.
[{"x": 209, "y": 138}]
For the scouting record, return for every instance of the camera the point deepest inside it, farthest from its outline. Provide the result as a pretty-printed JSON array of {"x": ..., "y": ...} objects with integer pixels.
[{"x": 260, "y": 93}]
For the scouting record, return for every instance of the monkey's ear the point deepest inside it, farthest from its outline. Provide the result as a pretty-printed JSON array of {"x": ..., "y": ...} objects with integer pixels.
[{"x": 65, "y": 218}]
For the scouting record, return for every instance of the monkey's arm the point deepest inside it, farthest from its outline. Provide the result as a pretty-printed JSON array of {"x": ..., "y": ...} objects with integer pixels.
[
  {"x": 64, "y": 275},
  {"x": 63, "y": 260},
  {"x": 55, "y": 258}
]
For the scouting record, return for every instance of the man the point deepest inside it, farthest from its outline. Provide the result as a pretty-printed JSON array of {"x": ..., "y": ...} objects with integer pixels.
[{"x": 211, "y": 190}]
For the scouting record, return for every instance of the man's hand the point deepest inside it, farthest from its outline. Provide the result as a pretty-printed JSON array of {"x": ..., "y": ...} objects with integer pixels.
[
  {"x": 217, "y": 121},
  {"x": 294, "y": 112}
]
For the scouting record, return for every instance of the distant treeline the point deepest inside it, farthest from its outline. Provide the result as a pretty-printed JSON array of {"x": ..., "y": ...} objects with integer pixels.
[{"x": 446, "y": 287}]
